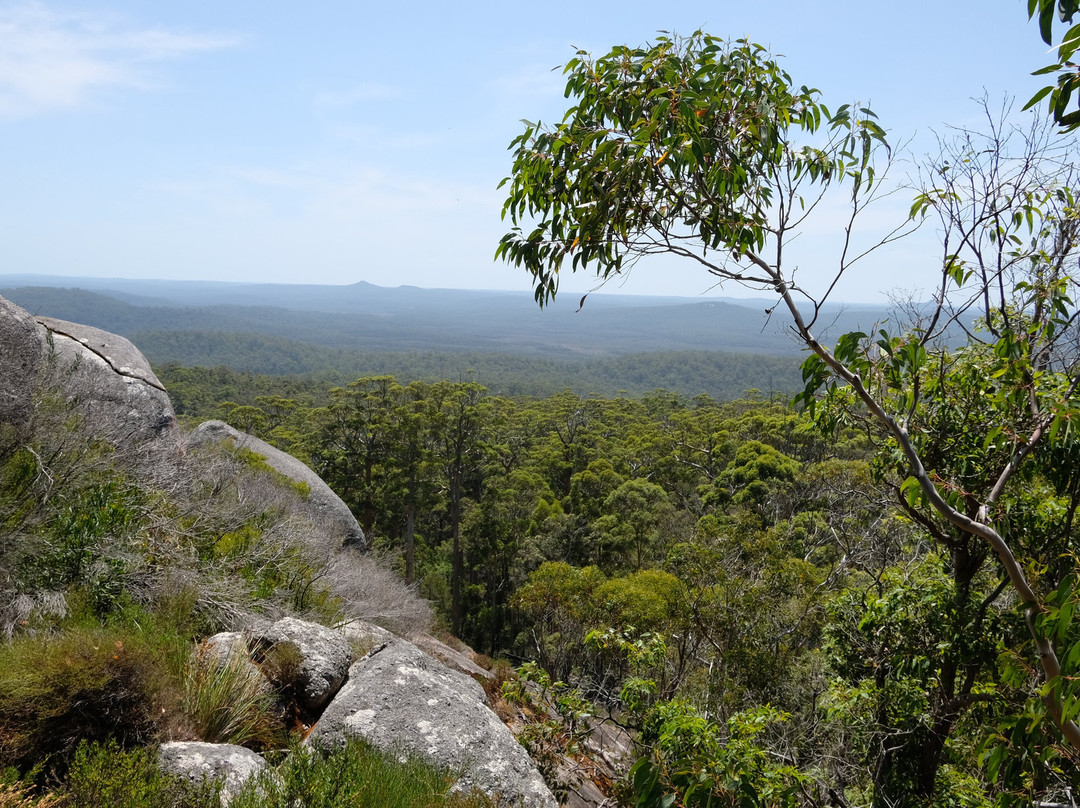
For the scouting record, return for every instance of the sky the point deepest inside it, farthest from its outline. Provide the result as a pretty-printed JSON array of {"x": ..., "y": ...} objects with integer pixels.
[{"x": 337, "y": 141}]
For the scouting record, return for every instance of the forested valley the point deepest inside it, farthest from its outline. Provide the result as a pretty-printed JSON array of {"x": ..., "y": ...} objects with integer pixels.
[
  {"x": 500, "y": 340},
  {"x": 866, "y": 594},
  {"x": 749, "y": 593}
]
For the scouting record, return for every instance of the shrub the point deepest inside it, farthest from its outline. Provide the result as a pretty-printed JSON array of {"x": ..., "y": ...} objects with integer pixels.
[
  {"x": 119, "y": 679},
  {"x": 106, "y": 775},
  {"x": 371, "y": 591},
  {"x": 501, "y": 672},
  {"x": 87, "y": 683}
]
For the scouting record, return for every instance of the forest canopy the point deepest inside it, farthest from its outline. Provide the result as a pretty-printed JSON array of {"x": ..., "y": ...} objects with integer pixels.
[{"x": 706, "y": 149}]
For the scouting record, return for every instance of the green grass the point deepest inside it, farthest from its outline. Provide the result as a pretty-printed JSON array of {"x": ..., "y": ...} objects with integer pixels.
[
  {"x": 230, "y": 702},
  {"x": 92, "y": 683},
  {"x": 91, "y": 680},
  {"x": 354, "y": 776}
]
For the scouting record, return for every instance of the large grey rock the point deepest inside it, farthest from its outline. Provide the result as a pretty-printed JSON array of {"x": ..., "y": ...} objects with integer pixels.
[
  {"x": 399, "y": 698},
  {"x": 110, "y": 381},
  {"x": 323, "y": 658},
  {"x": 326, "y": 506},
  {"x": 198, "y": 762},
  {"x": 102, "y": 376},
  {"x": 22, "y": 351}
]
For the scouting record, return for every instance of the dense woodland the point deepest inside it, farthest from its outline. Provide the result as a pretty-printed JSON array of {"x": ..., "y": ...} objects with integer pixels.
[
  {"x": 720, "y": 374},
  {"x": 866, "y": 597},
  {"x": 499, "y": 340},
  {"x": 701, "y": 570}
]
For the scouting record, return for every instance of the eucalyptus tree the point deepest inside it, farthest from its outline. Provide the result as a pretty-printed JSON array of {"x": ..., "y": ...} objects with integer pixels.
[
  {"x": 410, "y": 472},
  {"x": 458, "y": 413},
  {"x": 707, "y": 150},
  {"x": 353, "y": 444}
]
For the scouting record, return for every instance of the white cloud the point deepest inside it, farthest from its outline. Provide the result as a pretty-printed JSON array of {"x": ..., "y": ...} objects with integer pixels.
[
  {"x": 330, "y": 191},
  {"x": 336, "y": 99},
  {"x": 57, "y": 59}
]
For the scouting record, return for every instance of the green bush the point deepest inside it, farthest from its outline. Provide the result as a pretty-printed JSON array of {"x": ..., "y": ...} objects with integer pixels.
[
  {"x": 119, "y": 680},
  {"x": 106, "y": 775}
]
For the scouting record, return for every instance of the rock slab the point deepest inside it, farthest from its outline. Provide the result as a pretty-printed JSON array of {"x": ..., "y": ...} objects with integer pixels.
[
  {"x": 399, "y": 698},
  {"x": 324, "y": 656},
  {"x": 101, "y": 376},
  {"x": 22, "y": 351},
  {"x": 326, "y": 505},
  {"x": 111, "y": 379}
]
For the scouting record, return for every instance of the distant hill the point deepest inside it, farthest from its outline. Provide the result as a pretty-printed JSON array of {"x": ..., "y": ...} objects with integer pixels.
[
  {"x": 366, "y": 317},
  {"x": 504, "y": 339}
]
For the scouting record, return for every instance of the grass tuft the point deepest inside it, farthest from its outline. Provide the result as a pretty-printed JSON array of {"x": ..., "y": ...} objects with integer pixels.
[
  {"x": 355, "y": 775},
  {"x": 230, "y": 702},
  {"x": 19, "y": 796}
]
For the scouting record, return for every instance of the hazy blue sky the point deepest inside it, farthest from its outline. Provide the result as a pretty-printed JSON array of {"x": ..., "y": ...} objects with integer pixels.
[{"x": 331, "y": 142}]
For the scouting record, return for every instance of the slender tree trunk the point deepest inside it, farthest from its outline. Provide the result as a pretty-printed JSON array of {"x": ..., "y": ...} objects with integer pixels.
[
  {"x": 458, "y": 562},
  {"x": 882, "y": 774},
  {"x": 410, "y": 541},
  {"x": 932, "y": 750}
]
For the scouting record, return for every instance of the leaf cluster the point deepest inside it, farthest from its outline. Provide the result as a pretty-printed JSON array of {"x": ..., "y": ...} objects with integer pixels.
[{"x": 675, "y": 147}]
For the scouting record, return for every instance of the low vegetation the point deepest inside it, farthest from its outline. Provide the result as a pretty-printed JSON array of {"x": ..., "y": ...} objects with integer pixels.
[
  {"x": 356, "y": 775},
  {"x": 117, "y": 557},
  {"x": 105, "y": 774}
]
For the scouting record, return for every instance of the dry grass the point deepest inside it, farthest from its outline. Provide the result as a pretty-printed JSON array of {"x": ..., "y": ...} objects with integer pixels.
[
  {"x": 19, "y": 796},
  {"x": 371, "y": 591}
]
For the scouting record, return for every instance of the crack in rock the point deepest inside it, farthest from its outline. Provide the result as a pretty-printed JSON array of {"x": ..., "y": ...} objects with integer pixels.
[{"x": 118, "y": 370}]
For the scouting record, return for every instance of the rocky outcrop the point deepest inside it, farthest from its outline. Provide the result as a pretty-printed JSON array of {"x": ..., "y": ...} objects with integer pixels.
[
  {"x": 583, "y": 767},
  {"x": 22, "y": 352},
  {"x": 198, "y": 762},
  {"x": 399, "y": 698},
  {"x": 364, "y": 636},
  {"x": 396, "y": 697},
  {"x": 101, "y": 376},
  {"x": 318, "y": 659},
  {"x": 608, "y": 753},
  {"x": 110, "y": 380},
  {"x": 451, "y": 657},
  {"x": 326, "y": 506}
]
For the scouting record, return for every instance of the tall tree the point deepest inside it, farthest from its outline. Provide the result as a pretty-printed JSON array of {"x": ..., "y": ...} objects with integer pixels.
[
  {"x": 707, "y": 150},
  {"x": 354, "y": 442},
  {"x": 409, "y": 467},
  {"x": 458, "y": 418}
]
